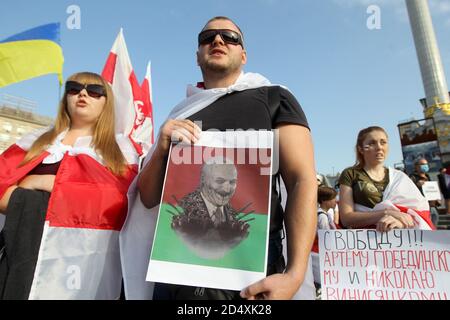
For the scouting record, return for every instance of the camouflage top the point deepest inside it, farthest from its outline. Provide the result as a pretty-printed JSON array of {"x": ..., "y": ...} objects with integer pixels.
[{"x": 366, "y": 191}]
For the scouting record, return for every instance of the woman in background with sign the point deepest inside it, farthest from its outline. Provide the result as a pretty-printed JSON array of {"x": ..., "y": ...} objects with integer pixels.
[{"x": 374, "y": 196}]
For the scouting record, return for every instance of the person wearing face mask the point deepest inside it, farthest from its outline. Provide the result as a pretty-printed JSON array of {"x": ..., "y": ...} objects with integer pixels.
[
  {"x": 419, "y": 177},
  {"x": 420, "y": 174}
]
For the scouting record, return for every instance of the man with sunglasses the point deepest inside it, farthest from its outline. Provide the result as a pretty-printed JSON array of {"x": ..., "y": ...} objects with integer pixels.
[{"x": 243, "y": 101}]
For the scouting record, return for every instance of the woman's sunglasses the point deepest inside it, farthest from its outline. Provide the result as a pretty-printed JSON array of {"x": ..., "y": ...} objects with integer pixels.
[
  {"x": 228, "y": 36},
  {"x": 93, "y": 90}
]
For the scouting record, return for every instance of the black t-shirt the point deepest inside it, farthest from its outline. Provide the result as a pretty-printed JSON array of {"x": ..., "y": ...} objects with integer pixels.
[{"x": 250, "y": 109}]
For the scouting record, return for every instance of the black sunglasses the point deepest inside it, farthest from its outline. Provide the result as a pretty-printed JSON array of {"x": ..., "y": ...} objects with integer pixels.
[
  {"x": 228, "y": 36},
  {"x": 93, "y": 90}
]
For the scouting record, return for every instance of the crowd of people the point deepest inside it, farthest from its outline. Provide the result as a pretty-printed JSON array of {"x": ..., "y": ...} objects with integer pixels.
[{"x": 64, "y": 190}]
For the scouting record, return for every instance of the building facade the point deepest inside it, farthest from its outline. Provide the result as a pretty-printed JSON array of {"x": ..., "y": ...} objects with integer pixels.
[{"x": 15, "y": 123}]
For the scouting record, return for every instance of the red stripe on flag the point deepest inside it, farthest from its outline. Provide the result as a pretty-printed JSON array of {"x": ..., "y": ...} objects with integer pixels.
[
  {"x": 10, "y": 172},
  {"x": 425, "y": 215},
  {"x": 87, "y": 195},
  {"x": 135, "y": 88},
  {"x": 136, "y": 145},
  {"x": 140, "y": 109},
  {"x": 110, "y": 67},
  {"x": 315, "y": 246},
  {"x": 148, "y": 103}
]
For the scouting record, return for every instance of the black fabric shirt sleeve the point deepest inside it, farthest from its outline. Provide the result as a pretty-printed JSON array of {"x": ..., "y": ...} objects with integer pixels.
[{"x": 290, "y": 110}]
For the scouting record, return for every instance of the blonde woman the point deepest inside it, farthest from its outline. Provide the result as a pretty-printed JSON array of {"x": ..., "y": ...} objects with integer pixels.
[
  {"x": 63, "y": 192},
  {"x": 375, "y": 196}
]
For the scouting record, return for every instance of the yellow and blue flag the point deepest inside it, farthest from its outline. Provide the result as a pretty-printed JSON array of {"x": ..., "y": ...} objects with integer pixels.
[{"x": 30, "y": 54}]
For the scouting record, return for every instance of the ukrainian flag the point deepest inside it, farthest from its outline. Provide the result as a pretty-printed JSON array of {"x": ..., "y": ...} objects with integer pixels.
[{"x": 30, "y": 54}]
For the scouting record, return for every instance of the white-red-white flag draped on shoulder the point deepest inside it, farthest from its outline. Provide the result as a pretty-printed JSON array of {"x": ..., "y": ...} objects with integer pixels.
[
  {"x": 78, "y": 255},
  {"x": 132, "y": 101},
  {"x": 402, "y": 195}
]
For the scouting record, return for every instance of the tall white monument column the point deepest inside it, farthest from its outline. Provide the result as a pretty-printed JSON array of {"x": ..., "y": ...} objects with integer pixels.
[{"x": 433, "y": 76}]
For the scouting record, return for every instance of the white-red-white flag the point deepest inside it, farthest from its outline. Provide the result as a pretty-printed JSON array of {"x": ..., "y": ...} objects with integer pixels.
[
  {"x": 146, "y": 89},
  {"x": 133, "y": 104}
]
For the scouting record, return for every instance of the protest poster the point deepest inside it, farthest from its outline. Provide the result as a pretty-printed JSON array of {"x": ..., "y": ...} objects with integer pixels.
[
  {"x": 431, "y": 190},
  {"x": 213, "y": 223},
  {"x": 403, "y": 264}
]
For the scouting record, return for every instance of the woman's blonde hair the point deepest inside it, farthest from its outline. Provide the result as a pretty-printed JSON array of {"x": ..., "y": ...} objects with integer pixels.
[
  {"x": 103, "y": 140},
  {"x": 359, "y": 144}
]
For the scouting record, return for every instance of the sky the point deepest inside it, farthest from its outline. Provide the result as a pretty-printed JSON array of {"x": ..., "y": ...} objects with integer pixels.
[{"x": 345, "y": 75}]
